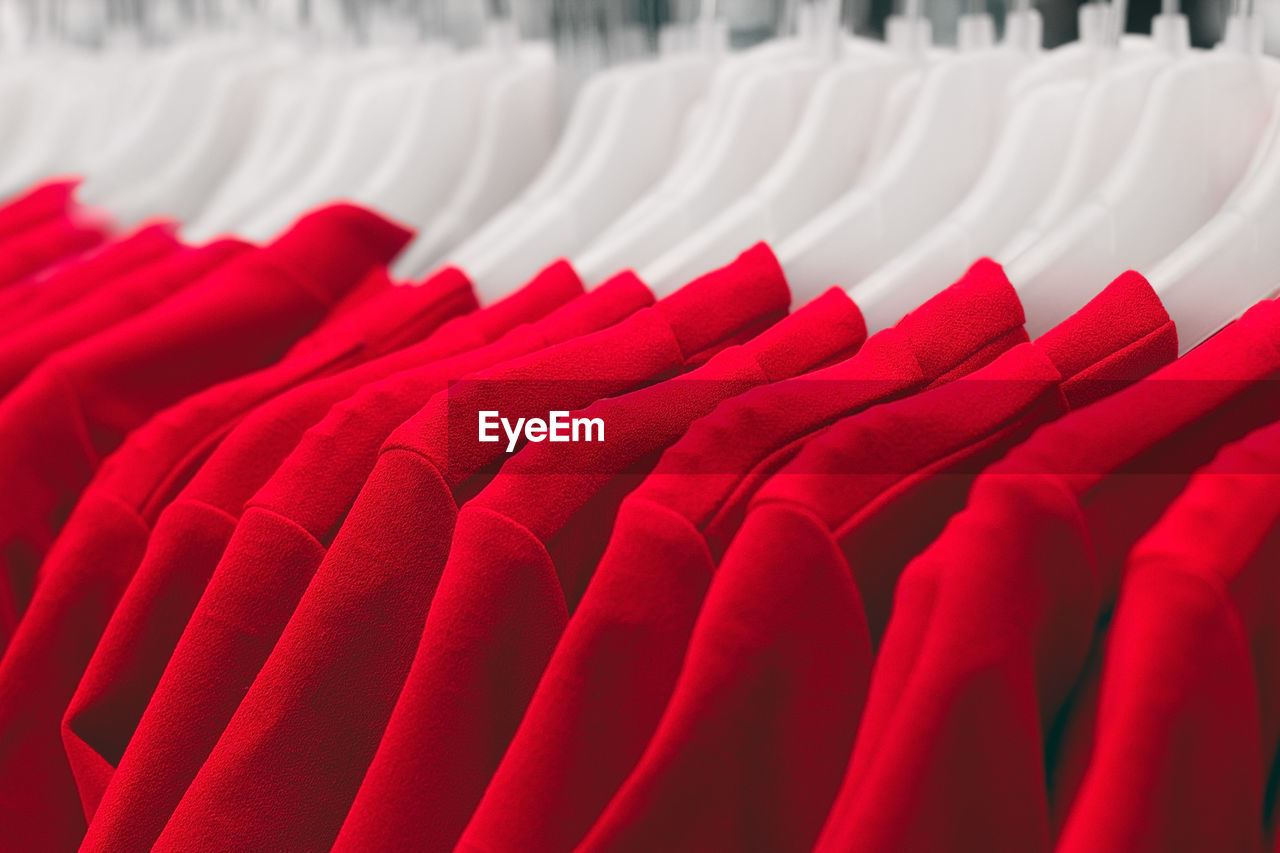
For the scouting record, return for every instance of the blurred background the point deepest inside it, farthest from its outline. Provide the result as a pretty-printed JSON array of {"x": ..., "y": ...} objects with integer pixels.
[{"x": 589, "y": 33}]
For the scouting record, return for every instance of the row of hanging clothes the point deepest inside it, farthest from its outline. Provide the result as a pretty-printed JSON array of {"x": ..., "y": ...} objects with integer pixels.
[{"x": 432, "y": 426}]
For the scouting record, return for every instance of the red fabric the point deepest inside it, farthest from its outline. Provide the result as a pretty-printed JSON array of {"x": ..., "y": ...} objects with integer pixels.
[
  {"x": 80, "y": 403},
  {"x": 985, "y": 685},
  {"x": 39, "y": 296},
  {"x": 270, "y": 558},
  {"x": 192, "y": 532},
  {"x": 763, "y": 716},
  {"x": 1189, "y": 710},
  {"x": 244, "y": 314},
  {"x": 612, "y": 672},
  {"x": 352, "y": 636},
  {"x": 523, "y": 549},
  {"x": 43, "y": 202},
  {"x": 115, "y": 302},
  {"x": 49, "y": 243}
]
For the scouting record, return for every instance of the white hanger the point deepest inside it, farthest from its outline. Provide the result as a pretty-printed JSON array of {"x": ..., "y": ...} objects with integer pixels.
[
  {"x": 296, "y": 120},
  {"x": 516, "y": 135},
  {"x": 632, "y": 144},
  {"x": 821, "y": 159},
  {"x": 162, "y": 126},
  {"x": 1233, "y": 261},
  {"x": 1024, "y": 164},
  {"x": 183, "y": 184},
  {"x": 1108, "y": 118},
  {"x": 578, "y": 135},
  {"x": 442, "y": 130},
  {"x": 1209, "y": 110},
  {"x": 935, "y": 159},
  {"x": 370, "y": 115},
  {"x": 748, "y": 137}
]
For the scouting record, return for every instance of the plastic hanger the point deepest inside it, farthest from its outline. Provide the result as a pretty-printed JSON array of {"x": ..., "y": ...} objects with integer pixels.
[
  {"x": 1033, "y": 147},
  {"x": 1231, "y": 262},
  {"x": 442, "y": 130},
  {"x": 1108, "y": 118},
  {"x": 631, "y": 145},
  {"x": 371, "y": 114},
  {"x": 516, "y": 136},
  {"x": 295, "y": 120},
  {"x": 183, "y": 184},
  {"x": 748, "y": 138},
  {"x": 162, "y": 126},
  {"x": 1209, "y": 110},
  {"x": 935, "y": 159},
  {"x": 821, "y": 159}
]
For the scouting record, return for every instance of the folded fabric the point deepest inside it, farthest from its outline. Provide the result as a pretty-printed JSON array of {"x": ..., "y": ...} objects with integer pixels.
[
  {"x": 272, "y": 554},
  {"x": 352, "y": 635},
  {"x": 763, "y": 717},
  {"x": 265, "y": 303},
  {"x": 47, "y": 200},
  {"x": 39, "y": 296},
  {"x": 639, "y": 607},
  {"x": 985, "y": 684},
  {"x": 52, "y": 241},
  {"x": 1188, "y": 709},
  {"x": 522, "y": 551},
  {"x": 191, "y": 533}
]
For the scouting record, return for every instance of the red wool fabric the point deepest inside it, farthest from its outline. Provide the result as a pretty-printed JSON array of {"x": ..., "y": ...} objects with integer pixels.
[
  {"x": 41, "y": 421},
  {"x": 115, "y": 302},
  {"x": 353, "y": 634},
  {"x": 43, "y": 202},
  {"x": 763, "y": 717},
  {"x": 275, "y": 294},
  {"x": 192, "y": 532},
  {"x": 40, "y": 296},
  {"x": 962, "y": 701},
  {"x": 275, "y": 548},
  {"x": 28, "y": 252},
  {"x": 159, "y": 457},
  {"x": 523, "y": 550},
  {"x": 566, "y": 761},
  {"x": 80, "y": 403},
  {"x": 1188, "y": 713}
]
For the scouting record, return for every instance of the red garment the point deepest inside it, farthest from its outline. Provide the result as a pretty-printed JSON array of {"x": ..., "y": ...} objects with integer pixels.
[
  {"x": 113, "y": 303},
  {"x": 273, "y": 552},
  {"x": 273, "y": 779},
  {"x": 1190, "y": 695},
  {"x": 612, "y": 671},
  {"x": 251, "y": 308},
  {"x": 523, "y": 550},
  {"x": 36, "y": 298},
  {"x": 761, "y": 722},
  {"x": 191, "y": 533},
  {"x": 984, "y": 683},
  {"x": 28, "y": 252},
  {"x": 45, "y": 201}
]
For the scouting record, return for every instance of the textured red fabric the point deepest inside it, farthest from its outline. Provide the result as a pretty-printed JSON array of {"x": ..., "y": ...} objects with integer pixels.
[
  {"x": 763, "y": 716},
  {"x": 270, "y": 558},
  {"x": 523, "y": 550},
  {"x": 1188, "y": 710},
  {"x": 986, "y": 682},
  {"x": 191, "y": 533},
  {"x": 255, "y": 306},
  {"x": 612, "y": 672},
  {"x": 352, "y": 636},
  {"x": 80, "y": 403},
  {"x": 113, "y": 303},
  {"x": 39, "y": 296},
  {"x": 45, "y": 201},
  {"x": 28, "y": 252}
]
